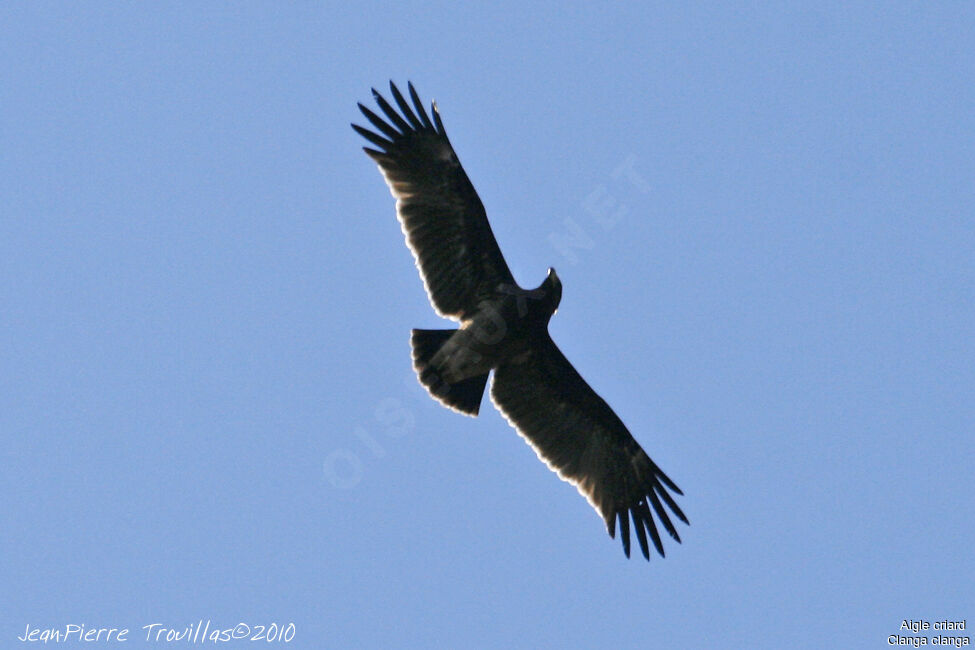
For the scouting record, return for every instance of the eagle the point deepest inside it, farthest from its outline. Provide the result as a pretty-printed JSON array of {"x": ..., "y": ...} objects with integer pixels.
[{"x": 504, "y": 329}]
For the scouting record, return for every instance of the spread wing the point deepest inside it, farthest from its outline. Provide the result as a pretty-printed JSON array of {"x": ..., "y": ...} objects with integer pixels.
[
  {"x": 440, "y": 213},
  {"x": 579, "y": 437}
]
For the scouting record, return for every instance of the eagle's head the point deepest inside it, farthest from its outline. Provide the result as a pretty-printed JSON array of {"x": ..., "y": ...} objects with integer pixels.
[{"x": 553, "y": 290}]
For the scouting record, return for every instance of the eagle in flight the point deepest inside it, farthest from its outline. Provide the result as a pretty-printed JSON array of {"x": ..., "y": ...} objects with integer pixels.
[{"x": 504, "y": 328}]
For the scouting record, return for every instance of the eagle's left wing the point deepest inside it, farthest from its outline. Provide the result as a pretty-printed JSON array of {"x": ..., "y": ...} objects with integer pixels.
[
  {"x": 579, "y": 437},
  {"x": 442, "y": 217}
]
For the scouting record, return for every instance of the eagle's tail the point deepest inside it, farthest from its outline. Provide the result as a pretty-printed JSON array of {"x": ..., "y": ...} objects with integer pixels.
[{"x": 463, "y": 396}]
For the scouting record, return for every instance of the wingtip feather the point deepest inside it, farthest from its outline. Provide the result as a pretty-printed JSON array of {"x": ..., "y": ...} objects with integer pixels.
[
  {"x": 372, "y": 137},
  {"x": 404, "y": 106},
  {"x": 641, "y": 534},
  {"x": 418, "y": 105},
  {"x": 624, "y": 518}
]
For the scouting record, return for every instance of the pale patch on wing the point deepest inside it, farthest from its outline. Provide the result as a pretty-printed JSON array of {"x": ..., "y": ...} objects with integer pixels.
[{"x": 445, "y": 152}]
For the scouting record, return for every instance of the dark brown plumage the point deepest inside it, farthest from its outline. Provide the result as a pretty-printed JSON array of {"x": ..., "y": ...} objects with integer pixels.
[{"x": 504, "y": 328}]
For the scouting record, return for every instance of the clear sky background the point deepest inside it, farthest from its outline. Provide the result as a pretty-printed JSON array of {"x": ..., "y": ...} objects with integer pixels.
[{"x": 206, "y": 399}]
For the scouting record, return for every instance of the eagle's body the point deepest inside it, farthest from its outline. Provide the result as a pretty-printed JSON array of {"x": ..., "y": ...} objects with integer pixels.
[
  {"x": 504, "y": 329},
  {"x": 500, "y": 329}
]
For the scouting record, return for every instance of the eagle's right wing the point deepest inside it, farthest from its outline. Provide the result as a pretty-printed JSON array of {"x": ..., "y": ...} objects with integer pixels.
[
  {"x": 580, "y": 438},
  {"x": 441, "y": 215}
]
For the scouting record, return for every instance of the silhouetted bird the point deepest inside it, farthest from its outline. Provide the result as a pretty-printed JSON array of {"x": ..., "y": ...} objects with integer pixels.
[{"x": 504, "y": 328}]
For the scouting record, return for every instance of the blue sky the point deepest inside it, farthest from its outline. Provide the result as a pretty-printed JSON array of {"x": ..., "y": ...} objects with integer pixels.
[{"x": 207, "y": 405}]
